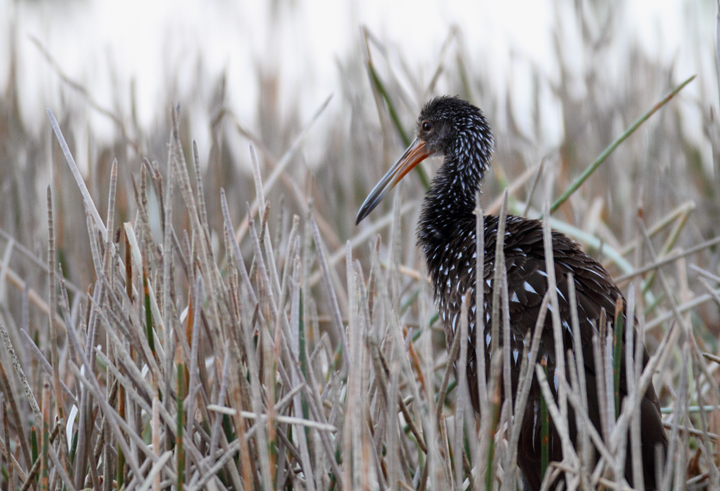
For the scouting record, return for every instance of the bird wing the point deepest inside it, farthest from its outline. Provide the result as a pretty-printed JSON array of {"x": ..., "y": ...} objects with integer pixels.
[{"x": 528, "y": 283}]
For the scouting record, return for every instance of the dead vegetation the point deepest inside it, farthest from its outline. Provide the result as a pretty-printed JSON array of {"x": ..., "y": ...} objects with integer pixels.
[{"x": 170, "y": 318}]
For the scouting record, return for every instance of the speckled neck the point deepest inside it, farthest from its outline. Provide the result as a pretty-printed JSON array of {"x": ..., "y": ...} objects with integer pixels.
[{"x": 450, "y": 201}]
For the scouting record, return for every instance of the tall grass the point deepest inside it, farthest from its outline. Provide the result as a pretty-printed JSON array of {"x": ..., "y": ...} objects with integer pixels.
[{"x": 182, "y": 316}]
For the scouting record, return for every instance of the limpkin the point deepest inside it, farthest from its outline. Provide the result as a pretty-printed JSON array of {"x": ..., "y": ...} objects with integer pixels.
[{"x": 457, "y": 130}]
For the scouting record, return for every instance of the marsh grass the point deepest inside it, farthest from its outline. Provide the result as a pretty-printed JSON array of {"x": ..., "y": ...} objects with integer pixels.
[{"x": 172, "y": 318}]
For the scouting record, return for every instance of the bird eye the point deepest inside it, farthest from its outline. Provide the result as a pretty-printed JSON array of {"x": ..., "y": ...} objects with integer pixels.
[{"x": 426, "y": 126}]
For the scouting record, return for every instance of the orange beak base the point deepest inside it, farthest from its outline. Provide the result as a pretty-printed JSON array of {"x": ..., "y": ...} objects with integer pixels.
[{"x": 415, "y": 153}]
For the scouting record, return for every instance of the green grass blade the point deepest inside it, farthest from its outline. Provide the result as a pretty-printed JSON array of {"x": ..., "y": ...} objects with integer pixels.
[
  {"x": 617, "y": 352},
  {"x": 544, "y": 430},
  {"x": 380, "y": 87},
  {"x": 180, "y": 426},
  {"x": 148, "y": 314},
  {"x": 603, "y": 156},
  {"x": 390, "y": 106},
  {"x": 33, "y": 444}
]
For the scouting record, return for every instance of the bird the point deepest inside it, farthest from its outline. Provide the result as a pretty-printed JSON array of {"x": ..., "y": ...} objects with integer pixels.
[{"x": 458, "y": 131}]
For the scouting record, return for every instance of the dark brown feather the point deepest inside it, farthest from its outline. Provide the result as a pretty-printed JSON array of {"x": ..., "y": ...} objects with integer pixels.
[{"x": 527, "y": 285}]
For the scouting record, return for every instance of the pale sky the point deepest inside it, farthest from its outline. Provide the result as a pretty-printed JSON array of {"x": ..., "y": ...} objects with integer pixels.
[{"x": 161, "y": 42}]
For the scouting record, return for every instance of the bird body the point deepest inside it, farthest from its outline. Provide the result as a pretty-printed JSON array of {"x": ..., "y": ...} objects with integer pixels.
[{"x": 458, "y": 130}]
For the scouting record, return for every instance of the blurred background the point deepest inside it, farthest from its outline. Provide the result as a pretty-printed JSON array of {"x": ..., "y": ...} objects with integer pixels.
[
  {"x": 559, "y": 81},
  {"x": 132, "y": 56}
]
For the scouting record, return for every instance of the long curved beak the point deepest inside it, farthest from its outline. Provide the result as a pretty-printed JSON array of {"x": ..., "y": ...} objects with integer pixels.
[{"x": 415, "y": 153}]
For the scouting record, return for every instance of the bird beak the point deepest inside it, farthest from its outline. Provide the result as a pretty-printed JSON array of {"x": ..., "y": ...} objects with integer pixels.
[{"x": 415, "y": 153}]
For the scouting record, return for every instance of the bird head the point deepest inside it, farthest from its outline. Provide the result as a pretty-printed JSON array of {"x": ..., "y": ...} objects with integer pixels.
[{"x": 449, "y": 127}]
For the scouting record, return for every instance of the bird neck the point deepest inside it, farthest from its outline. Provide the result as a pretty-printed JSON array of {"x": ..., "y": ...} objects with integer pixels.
[{"x": 450, "y": 201}]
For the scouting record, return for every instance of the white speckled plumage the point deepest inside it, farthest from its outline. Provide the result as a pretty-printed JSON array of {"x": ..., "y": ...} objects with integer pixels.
[{"x": 446, "y": 232}]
